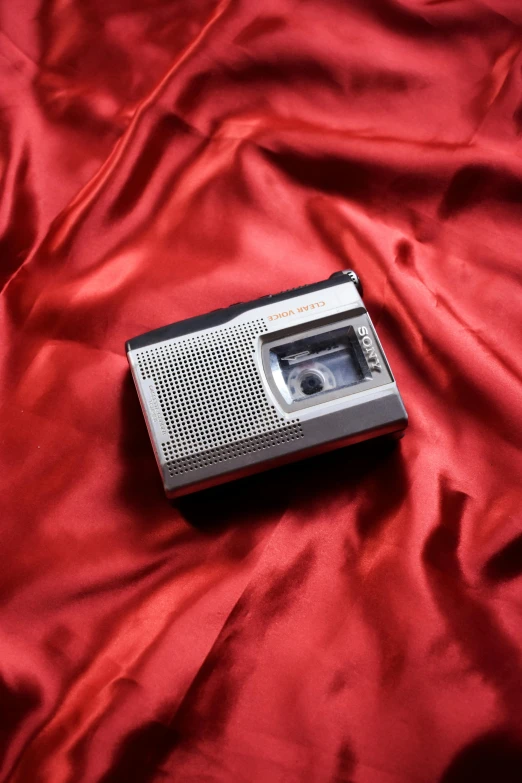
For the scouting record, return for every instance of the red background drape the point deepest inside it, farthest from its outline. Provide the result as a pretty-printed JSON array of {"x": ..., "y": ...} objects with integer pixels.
[{"x": 352, "y": 618}]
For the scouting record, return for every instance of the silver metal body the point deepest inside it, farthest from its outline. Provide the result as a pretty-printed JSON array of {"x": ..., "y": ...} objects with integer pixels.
[{"x": 217, "y": 405}]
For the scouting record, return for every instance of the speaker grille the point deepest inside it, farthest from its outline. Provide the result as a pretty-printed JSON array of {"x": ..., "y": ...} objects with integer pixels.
[{"x": 212, "y": 399}]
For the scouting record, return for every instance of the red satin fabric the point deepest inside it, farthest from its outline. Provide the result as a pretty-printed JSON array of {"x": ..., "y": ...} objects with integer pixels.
[{"x": 353, "y": 618}]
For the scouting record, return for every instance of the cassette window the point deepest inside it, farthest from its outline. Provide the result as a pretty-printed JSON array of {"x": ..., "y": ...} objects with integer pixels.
[{"x": 312, "y": 366}]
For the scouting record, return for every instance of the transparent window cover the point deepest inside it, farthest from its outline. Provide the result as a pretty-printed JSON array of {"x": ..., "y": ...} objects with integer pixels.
[{"x": 309, "y": 367}]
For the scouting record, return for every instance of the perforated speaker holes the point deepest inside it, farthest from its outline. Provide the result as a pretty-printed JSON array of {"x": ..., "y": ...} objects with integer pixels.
[{"x": 212, "y": 399}]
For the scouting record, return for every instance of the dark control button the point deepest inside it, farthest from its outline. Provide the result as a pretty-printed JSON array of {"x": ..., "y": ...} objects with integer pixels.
[
  {"x": 351, "y": 275},
  {"x": 289, "y": 290}
]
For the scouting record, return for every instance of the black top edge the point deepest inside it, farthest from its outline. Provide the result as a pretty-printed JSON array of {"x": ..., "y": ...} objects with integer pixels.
[{"x": 225, "y": 314}]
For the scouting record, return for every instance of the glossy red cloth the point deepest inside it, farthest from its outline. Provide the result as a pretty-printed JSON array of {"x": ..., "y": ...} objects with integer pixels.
[{"x": 352, "y": 618}]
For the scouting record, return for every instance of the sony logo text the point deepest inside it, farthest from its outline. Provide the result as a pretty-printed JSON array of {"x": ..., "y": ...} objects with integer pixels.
[
  {"x": 367, "y": 344},
  {"x": 302, "y": 309}
]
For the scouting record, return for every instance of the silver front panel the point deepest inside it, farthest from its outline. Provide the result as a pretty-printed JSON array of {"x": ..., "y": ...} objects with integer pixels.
[
  {"x": 209, "y": 405},
  {"x": 215, "y": 406}
]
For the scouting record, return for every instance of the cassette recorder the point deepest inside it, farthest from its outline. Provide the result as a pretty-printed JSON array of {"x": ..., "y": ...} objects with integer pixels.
[{"x": 257, "y": 384}]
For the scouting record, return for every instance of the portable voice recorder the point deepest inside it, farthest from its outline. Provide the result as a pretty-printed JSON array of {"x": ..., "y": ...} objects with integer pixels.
[{"x": 259, "y": 383}]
